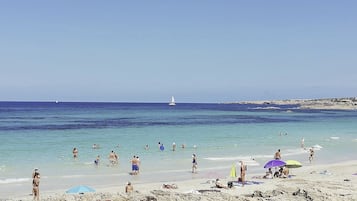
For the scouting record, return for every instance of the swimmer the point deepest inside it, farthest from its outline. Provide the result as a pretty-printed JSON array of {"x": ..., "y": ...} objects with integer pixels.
[
  {"x": 96, "y": 161},
  {"x": 75, "y": 152}
]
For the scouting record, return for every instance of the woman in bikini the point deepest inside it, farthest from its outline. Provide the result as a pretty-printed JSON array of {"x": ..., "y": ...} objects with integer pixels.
[{"x": 36, "y": 186}]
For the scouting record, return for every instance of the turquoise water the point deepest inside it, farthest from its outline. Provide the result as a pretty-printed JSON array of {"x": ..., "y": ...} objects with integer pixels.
[{"x": 43, "y": 135}]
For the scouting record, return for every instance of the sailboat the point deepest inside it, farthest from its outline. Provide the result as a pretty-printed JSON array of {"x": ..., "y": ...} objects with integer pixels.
[{"x": 172, "y": 102}]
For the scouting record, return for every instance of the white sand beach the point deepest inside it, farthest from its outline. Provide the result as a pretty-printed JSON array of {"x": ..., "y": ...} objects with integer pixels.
[{"x": 311, "y": 182}]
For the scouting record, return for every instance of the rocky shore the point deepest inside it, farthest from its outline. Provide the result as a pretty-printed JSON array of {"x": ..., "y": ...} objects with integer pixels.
[{"x": 321, "y": 104}]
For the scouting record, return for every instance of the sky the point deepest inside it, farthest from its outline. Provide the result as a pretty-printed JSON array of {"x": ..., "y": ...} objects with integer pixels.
[{"x": 198, "y": 51}]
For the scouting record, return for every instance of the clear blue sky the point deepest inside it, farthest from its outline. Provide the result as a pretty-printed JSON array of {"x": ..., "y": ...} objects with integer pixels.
[{"x": 198, "y": 51}]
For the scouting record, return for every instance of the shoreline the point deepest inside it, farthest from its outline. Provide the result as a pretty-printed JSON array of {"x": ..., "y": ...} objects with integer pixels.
[
  {"x": 320, "y": 182},
  {"x": 318, "y": 104}
]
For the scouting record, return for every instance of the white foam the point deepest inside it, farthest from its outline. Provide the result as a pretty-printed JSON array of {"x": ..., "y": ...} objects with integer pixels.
[
  {"x": 266, "y": 108},
  {"x": 13, "y": 180},
  {"x": 334, "y": 138},
  {"x": 317, "y": 147},
  {"x": 238, "y": 158}
]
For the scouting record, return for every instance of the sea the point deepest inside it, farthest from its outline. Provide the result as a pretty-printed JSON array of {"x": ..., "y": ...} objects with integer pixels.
[{"x": 43, "y": 134}]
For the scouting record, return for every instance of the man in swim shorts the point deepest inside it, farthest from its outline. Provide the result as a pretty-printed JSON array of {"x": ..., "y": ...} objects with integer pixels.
[
  {"x": 277, "y": 155},
  {"x": 135, "y": 165}
]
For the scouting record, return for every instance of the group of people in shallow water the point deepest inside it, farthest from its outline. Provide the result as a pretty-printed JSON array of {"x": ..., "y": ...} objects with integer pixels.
[
  {"x": 135, "y": 161},
  {"x": 162, "y": 147}
]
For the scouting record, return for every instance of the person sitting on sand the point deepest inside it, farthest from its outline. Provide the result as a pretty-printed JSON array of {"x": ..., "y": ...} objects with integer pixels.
[
  {"x": 269, "y": 174},
  {"x": 285, "y": 172},
  {"x": 278, "y": 173},
  {"x": 129, "y": 188},
  {"x": 219, "y": 184},
  {"x": 169, "y": 186}
]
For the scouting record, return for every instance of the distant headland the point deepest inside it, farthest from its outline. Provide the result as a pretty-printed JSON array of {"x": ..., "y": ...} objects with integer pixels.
[{"x": 321, "y": 104}]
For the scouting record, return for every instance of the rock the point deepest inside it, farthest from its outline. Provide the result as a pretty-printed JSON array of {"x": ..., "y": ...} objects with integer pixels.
[
  {"x": 302, "y": 193},
  {"x": 258, "y": 194},
  {"x": 150, "y": 198},
  {"x": 277, "y": 192}
]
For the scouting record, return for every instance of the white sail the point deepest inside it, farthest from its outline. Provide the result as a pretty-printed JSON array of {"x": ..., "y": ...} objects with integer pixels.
[{"x": 172, "y": 102}]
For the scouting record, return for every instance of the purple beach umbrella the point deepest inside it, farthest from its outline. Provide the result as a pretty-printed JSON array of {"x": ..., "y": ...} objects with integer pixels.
[{"x": 274, "y": 163}]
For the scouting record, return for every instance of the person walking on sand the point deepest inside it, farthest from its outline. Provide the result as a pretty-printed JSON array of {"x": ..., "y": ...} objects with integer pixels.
[
  {"x": 243, "y": 168},
  {"x": 277, "y": 155},
  {"x": 194, "y": 163},
  {"x": 75, "y": 152},
  {"x": 311, "y": 157},
  {"x": 36, "y": 186}
]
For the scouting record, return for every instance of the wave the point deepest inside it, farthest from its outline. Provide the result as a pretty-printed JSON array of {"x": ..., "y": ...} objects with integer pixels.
[
  {"x": 252, "y": 159},
  {"x": 266, "y": 108},
  {"x": 247, "y": 159},
  {"x": 317, "y": 147},
  {"x": 334, "y": 138},
  {"x": 13, "y": 180}
]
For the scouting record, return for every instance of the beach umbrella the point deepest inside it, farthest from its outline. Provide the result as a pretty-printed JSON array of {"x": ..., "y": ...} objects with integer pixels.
[
  {"x": 293, "y": 164},
  {"x": 274, "y": 163},
  {"x": 80, "y": 189},
  {"x": 233, "y": 172}
]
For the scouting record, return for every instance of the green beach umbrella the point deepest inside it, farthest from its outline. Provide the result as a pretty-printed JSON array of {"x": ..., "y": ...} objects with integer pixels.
[
  {"x": 293, "y": 164},
  {"x": 233, "y": 172}
]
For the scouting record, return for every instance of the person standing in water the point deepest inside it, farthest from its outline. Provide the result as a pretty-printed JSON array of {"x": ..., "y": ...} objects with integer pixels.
[
  {"x": 277, "y": 155},
  {"x": 96, "y": 161},
  {"x": 311, "y": 157},
  {"x": 194, "y": 163},
  {"x": 36, "y": 186},
  {"x": 75, "y": 152},
  {"x": 173, "y": 146}
]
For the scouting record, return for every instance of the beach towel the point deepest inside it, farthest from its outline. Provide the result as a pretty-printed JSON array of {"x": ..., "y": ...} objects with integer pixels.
[{"x": 236, "y": 183}]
